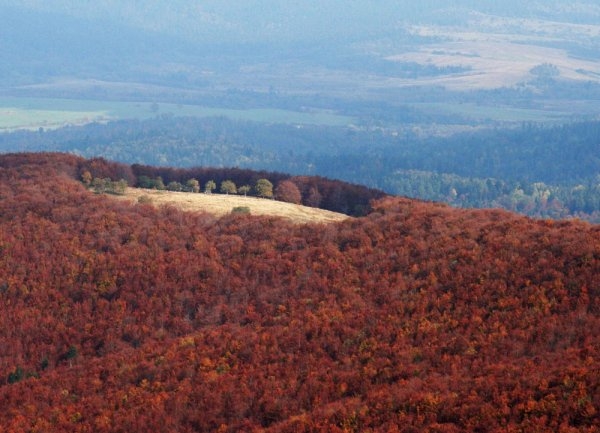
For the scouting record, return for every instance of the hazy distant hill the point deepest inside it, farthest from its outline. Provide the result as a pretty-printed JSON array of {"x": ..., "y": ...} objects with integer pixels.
[
  {"x": 334, "y": 49},
  {"x": 272, "y": 20},
  {"x": 89, "y": 31},
  {"x": 41, "y": 46}
]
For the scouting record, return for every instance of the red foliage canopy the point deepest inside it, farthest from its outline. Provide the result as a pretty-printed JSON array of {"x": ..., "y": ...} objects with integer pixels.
[{"x": 418, "y": 317}]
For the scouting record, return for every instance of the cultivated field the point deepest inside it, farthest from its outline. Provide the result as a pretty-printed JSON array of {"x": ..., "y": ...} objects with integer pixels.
[
  {"x": 220, "y": 204},
  {"x": 501, "y": 52}
]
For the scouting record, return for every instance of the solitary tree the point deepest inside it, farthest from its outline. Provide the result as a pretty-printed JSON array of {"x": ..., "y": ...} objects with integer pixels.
[
  {"x": 209, "y": 186},
  {"x": 288, "y": 191},
  {"x": 245, "y": 189},
  {"x": 120, "y": 187},
  {"x": 228, "y": 187},
  {"x": 174, "y": 186},
  {"x": 193, "y": 185},
  {"x": 264, "y": 188}
]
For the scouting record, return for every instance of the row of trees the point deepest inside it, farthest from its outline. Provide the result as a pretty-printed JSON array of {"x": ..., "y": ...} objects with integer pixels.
[
  {"x": 106, "y": 185},
  {"x": 536, "y": 199},
  {"x": 193, "y": 185},
  {"x": 311, "y": 191},
  {"x": 286, "y": 190}
]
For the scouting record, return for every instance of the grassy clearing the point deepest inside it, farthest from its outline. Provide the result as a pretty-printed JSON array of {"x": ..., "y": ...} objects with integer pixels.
[{"x": 219, "y": 205}]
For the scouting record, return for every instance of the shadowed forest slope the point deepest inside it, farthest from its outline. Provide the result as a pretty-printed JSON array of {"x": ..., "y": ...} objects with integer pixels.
[{"x": 418, "y": 317}]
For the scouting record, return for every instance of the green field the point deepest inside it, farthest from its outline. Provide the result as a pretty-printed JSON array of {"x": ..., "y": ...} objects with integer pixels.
[
  {"x": 51, "y": 113},
  {"x": 12, "y": 118},
  {"x": 48, "y": 113}
]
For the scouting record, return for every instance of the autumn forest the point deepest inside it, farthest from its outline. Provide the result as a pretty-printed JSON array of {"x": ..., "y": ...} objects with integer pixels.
[{"x": 410, "y": 317}]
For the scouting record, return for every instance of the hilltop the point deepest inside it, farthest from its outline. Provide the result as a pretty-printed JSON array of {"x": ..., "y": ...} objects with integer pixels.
[
  {"x": 415, "y": 317},
  {"x": 220, "y": 205}
]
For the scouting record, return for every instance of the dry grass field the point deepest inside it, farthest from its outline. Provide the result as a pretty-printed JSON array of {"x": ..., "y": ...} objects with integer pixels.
[
  {"x": 219, "y": 204},
  {"x": 499, "y": 52}
]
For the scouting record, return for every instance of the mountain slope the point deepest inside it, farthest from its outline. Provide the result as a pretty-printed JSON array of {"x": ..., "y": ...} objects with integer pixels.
[{"x": 417, "y": 317}]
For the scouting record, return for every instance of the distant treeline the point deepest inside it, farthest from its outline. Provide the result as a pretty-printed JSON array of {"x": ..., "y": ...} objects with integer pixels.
[
  {"x": 534, "y": 199},
  {"x": 538, "y": 170}
]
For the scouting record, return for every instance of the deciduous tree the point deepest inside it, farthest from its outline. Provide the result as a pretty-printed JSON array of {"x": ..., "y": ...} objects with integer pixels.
[
  {"x": 264, "y": 188},
  {"x": 244, "y": 189},
  {"x": 174, "y": 186},
  {"x": 228, "y": 187},
  {"x": 313, "y": 199},
  {"x": 287, "y": 191},
  {"x": 209, "y": 186},
  {"x": 193, "y": 185},
  {"x": 86, "y": 178}
]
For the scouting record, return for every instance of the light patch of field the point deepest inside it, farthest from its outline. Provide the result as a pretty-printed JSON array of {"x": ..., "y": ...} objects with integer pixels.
[
  {"x": 493, "y": 63},
  {"x": 18, "y": 118},
  {"x": 32, "y": 113},
  {"x": 220, "y": 205},
  {"x": 500, "y": 52}
]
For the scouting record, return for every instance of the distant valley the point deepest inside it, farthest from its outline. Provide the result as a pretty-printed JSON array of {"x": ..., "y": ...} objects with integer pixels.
[{"x": 454, "y": 66}]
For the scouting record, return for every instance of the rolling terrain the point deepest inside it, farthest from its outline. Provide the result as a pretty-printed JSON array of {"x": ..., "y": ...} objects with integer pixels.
[
  {"x": 538, "y": 170},
  {"x": 477, "y": 104},
  {"x": 416, "y": 317}
]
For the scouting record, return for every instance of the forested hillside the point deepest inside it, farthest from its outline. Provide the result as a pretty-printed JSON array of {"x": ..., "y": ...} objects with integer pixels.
[{"x": 417, "y": 317}]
